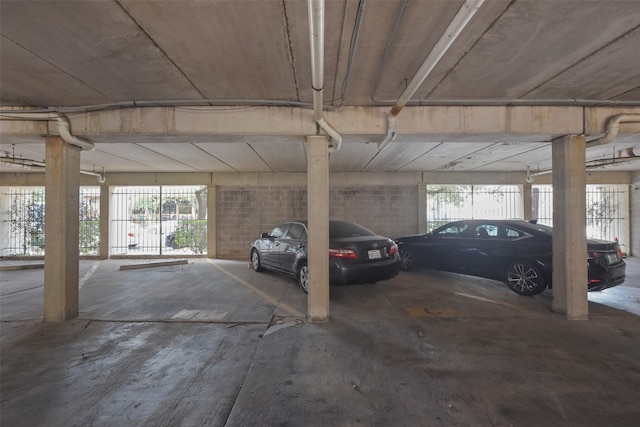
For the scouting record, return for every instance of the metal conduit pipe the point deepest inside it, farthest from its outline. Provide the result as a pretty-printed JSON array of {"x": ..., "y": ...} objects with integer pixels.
[
  {"x": 613, "y": 127},
  {"x": 316, "y": 36},
  {"x": 64, "y": 127},
  {"x": 531, "y": 175},
  {"x": 611, "y": 132},
  {"x": 34, "y": 164},
  {"x": 457, "y": 24},
  {"x": 214, "y": 102}
]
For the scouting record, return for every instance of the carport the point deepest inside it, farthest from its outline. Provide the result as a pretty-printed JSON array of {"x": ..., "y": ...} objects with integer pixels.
[{"x": 406, "y": 100}]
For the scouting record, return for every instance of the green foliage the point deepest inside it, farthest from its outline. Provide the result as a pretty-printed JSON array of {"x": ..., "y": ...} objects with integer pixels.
[
  {"x": 147, "y": 207},
  {"x": 601, "y": 213},
  {"x": 432, "y": 225},
  {"x": 89, "y": 237},
  {"x": 192, "y": 234},
  {"x": 448, "y": 194},
  {"x": 26, "y": 216}
]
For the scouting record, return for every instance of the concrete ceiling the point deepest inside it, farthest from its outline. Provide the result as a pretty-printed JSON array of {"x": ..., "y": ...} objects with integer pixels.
[{"x": 80, "y": 56}]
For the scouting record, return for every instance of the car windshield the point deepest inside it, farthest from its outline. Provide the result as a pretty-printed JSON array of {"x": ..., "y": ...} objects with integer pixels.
[{"x": 342, "y": 229}]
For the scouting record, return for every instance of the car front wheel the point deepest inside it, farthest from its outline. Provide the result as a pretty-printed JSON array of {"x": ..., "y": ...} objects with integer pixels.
[
  {"x": 303, "y": 277},
  {"x": 407, "y": 259},
  {"x": 255, "y": 261},
  {"x": 524, "y": 278}
]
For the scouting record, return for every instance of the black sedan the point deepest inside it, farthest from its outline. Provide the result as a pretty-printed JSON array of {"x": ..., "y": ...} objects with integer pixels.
[
  {"x": 356, "y": 254},
  {"x": 517, "y": 252}
]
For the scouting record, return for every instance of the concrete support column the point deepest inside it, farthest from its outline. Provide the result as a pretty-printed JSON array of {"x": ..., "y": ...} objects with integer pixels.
[
  {"x": 527, "y": 209},
  {"x": 105, "y": 222},
  {"x": 318, "y": 221},
  {"x": 422, "y": 208},
  {"x": 569, "y": 233},
  {"x": 212, "y": 230},
  {"x": 62, "y": 191}
]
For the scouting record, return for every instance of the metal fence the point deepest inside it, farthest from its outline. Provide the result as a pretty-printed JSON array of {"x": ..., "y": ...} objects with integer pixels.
[
  {"x": 607, "y": 207},
  {"x": 89, "y": 237},
  {"x": 23, "y": 216},
  {"x": 607, "y": 211},
  {"x": 158, "y": 220},
  {"x": 23, "y": 221},
  {"x": 446, "y": 203}
]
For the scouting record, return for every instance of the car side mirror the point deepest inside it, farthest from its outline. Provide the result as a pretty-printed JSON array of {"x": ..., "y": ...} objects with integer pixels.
[{"x": 264, "y": 236}]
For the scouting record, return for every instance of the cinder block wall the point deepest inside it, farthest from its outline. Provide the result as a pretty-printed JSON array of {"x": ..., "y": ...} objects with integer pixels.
[
  {"x": 243, "y": 213},
  {"x": 634, "y": 198}
]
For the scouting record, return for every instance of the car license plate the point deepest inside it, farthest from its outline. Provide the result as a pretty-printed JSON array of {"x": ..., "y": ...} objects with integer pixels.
[
  {"x": 612, "y": 258},
  {"x": 375, "y": 254}
]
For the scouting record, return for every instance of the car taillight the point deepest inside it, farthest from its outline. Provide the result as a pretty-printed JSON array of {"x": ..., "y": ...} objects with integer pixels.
[
  {"x": 393, "y": 249},
  {"x": 593, "y": 256},
  {"x": 343, "y": 253}
]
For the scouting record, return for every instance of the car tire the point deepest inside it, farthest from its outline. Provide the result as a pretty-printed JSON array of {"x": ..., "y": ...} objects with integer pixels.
[
  {"x": 524, "y": 278},
  {"x": 256, "y": 264},
  {"x": 303, "y": 276},
  {"x": 407, "y": 259}
]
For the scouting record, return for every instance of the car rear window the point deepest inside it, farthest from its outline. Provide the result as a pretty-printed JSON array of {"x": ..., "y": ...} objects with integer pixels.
[
  {"x": 339, "y": 230},
  {"x": 510, "y": 233}
]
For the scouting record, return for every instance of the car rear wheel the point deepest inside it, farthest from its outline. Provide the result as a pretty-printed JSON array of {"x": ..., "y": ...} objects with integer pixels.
[
  {"x": 524, "y": 278},
  {"x": 407, "y": 260},
  {"x": 303, "y": 277},
  {"x": 255, "y": 261}
]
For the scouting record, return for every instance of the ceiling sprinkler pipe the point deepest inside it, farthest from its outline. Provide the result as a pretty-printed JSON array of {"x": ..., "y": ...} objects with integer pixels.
[
  {"x": 335, "y": 137},
  {"x": 392, "y": 133},
  {"x": 64, "y": 127},
  {"x": 613, "y": 127},
  {"x": 457, "y": 24},
  {"x": 316, "y": 36},
  {"x": 531, "y": 175},
  {"x": 35, "y": 164}
]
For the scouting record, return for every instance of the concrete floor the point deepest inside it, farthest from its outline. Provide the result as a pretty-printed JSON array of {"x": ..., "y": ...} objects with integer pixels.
[{"x": 214, "y": 343}]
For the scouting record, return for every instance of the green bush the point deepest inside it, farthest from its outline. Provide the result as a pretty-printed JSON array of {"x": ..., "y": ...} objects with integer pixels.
[{"x": 192, "y": 234}]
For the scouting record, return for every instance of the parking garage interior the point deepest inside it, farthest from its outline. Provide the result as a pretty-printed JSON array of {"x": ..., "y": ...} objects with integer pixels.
[{"x": 264, "y": 112}]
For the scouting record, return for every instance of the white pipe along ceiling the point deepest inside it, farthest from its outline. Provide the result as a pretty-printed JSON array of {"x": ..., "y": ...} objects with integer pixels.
[
  {"x": 316, "y": 36},
  {"x": 64, "y": 127},
  {"x": 457, "y": 24},
  {"x": 613, "y": 127}
]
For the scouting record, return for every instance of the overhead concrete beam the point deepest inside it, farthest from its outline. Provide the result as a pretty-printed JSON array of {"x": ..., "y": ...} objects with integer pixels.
[
  {"x": 335, "y": 179},
  {"x": 268, "y": 124}
]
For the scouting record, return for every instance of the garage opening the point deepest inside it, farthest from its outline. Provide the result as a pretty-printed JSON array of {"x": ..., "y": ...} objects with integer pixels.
[
  {"x": 159, "y": 220},
  {"x": 607, "y": 207},
  {"x": 446, "y": 203},
  {"x": 22, "y": 224},
  {"x": 607, "y": 211}
]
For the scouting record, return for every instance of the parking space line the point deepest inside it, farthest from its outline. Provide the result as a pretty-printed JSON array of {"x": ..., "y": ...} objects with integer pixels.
[
  {"x": 262, "y": 294},
  {"x": 511, "y": 306},
  {"x": 88, "y": 274},
  {"x": 441, "y": 312}
]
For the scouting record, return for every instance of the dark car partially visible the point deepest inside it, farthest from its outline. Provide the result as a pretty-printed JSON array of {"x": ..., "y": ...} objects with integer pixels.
[
  {"x": 516, "y": 252},
  {"x": 356, "y": 254}
]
